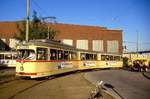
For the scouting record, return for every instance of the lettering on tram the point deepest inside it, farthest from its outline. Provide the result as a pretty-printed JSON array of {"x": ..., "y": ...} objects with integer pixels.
[
  {"x": 88, "y": 59},
  {"x": 111, "y": 59}
]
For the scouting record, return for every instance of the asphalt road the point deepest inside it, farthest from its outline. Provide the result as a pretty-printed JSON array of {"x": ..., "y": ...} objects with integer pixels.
[
  {"x": 122, "y": 83},
  {"x": 72, "y": 86}
]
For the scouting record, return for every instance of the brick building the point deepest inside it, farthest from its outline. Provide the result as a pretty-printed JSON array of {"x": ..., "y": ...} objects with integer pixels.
[{"x": 80, "y": 36}]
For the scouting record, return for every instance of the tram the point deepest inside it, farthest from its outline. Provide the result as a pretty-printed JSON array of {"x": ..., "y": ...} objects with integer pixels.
[
  {"x": 40, "y": 58},
  {"x": 91, "y": 60},
  {"x": 8, "y": 59},
  {"x": 137, "y": 61},
  {"x": 139, "y": 64}
]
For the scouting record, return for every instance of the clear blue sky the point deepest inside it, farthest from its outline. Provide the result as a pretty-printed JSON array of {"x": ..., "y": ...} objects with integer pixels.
[{"x": 128, "y": 15}]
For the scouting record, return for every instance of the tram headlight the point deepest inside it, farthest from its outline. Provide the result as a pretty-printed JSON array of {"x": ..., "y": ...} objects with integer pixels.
[{"x": 21, "y": 68}]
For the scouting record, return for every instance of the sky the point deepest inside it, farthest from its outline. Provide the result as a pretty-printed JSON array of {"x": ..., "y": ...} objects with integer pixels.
[{"x": 131, "y": 16}]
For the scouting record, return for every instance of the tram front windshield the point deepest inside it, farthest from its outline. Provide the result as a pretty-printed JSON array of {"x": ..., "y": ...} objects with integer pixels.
[{"x": 26, "y": 54}]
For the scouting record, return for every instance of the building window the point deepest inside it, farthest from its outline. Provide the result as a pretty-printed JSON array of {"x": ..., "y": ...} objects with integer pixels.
[
  {"x": 67, "y": 41},
  {"x": 98, "y": 45},
  {"x": 82, "y": 44},
  {"x": 112, "y": 46}
]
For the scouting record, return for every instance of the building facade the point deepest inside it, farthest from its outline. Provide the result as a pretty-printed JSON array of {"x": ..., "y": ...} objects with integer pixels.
[{"x": 92, "y": 38}]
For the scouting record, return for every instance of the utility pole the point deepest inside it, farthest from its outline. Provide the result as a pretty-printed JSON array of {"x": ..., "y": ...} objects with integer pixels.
[
  {"x": 27, "y": 20},
  {"x": 48, "y": 31},
  {"x": 137, "y": 42}
]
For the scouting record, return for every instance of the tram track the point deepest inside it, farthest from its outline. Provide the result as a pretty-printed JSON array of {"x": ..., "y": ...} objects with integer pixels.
[
  {"x": 25, "y": 89},
  {"x": 18, "y": 86},
  {"x": 18, "y": 80},
  {"x": 6, "y": 84},
  {"x": 57, "y": 86},
  {"x": 8, "y": 80}
]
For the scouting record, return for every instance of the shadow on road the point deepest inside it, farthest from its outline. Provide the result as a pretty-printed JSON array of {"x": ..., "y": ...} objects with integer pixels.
[{"x": 112, "y": 87}]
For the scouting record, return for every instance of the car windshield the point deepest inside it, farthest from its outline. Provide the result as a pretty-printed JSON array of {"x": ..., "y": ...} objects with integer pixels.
[{"x": 26, "y": 54}]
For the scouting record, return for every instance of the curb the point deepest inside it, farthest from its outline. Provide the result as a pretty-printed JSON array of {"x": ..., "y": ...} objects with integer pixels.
[
  {"x": 104, "y": 92},
  {"x": 145, "y": 75}
]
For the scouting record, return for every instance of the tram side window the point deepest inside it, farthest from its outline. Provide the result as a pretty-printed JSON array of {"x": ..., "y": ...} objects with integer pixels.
[
  {"x": 107, "y": 58},
  {"x": 89, "y": 56},
  {"x": 121, "y": 58},
  {"x": 66, "y": 55},
  {"x": 73, "y": 56},
  {"x": 60, "y": 55},
  {"x": 8, "y": 56},
  {"x": 103, "y": 57},
  {"x": 117, "y": 58},
  {"x": 42, "y": 54},
  {"x": 1, "y": 56},
  {"x": 53, "y": 54},
  {"x": 111, "y": 58},
  {"x": 95, "y": 57},
  {"x": 14, "y": 56},
  {"x": 25, "y": 54},
  {"x": 83, "y": 56}
]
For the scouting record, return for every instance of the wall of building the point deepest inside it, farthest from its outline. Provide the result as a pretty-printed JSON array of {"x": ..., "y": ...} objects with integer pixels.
[
  {"x": 110, "y": 40},
  {"x": 80, "y": 36}
]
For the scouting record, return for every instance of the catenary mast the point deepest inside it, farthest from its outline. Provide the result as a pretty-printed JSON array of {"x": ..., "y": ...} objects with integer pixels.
[{"x": 27, "y": 20}]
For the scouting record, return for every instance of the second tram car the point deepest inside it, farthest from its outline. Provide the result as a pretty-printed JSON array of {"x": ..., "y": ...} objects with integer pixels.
[
  {"x": 41, "y": 58},
  {"x": 8, "y": 58}
]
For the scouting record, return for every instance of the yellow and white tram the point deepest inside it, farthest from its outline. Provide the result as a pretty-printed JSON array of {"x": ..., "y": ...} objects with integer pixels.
[
  {"x": 91, "y": 60},
  {"x": 41, "y": 58},
  {"x": 8, "y": 59}
]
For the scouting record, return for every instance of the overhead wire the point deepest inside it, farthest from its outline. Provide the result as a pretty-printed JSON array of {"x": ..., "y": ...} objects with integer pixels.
[
  {"x": 43, "y": 12},
  {"x": 40, "y": 10}
]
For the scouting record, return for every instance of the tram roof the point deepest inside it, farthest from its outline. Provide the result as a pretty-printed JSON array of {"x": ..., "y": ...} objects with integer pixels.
[
  {"x": 48, "y": 43},
  {"x": 55, "y": 44},
  {"x": 8, "y": 52}
]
